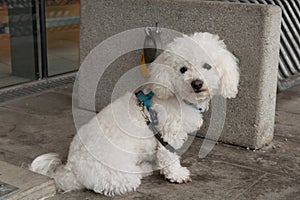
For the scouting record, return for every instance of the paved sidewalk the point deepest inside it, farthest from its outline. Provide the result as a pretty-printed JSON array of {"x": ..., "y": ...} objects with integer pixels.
[{"x": 42, "y": 123}]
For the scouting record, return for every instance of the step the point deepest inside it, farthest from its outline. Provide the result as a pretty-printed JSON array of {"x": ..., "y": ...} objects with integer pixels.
[{"x": 25, "y": 184}]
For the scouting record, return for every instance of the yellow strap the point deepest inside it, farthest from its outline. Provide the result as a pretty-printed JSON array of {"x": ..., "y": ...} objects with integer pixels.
[{"x": 143, "y": 67}]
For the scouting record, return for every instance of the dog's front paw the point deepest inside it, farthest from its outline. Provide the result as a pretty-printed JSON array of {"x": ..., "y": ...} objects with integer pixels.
[{"x": 180, "y": 175}]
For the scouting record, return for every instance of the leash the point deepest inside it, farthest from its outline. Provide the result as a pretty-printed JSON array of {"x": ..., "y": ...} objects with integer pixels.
[
  {"x": 150, "y": 51},
  {"x": 144, "y": 101},
  {"x": 152, "y": 45}
]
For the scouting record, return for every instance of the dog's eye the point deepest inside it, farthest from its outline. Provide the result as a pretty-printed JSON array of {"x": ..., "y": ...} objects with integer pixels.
[
  {"x": 206, "y": 66},
  {"x": 183, "y": 69}
]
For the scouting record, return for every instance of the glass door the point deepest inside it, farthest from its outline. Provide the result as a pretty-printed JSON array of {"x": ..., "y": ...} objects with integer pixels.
[
  {"x": 38, "y": 39},
  {"x": 18, "y": 46},
  {"x": 62, "y": 31}
]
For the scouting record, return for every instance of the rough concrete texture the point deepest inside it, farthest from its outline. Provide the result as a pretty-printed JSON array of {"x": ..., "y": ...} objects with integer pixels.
[
  {"x": 31, "y": 185},
  {"x": 43, "y": 123},
  {"x": 250, "y": 31}
]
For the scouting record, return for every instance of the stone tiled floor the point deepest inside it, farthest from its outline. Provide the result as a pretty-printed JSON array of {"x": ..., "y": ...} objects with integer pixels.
[{"x": 43, "y": 122}]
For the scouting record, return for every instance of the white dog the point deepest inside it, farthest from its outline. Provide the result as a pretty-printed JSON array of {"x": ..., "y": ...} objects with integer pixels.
[{"x": 112, "y": 152}]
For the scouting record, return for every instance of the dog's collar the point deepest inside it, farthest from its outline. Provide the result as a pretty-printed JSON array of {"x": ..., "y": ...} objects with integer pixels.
[
  {"x": 200, "y": 109},
  {"x": 145, "y": 99}
]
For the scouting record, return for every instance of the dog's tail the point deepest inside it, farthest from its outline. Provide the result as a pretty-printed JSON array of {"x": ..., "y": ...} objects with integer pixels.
[
  {"x": 51, "y": 165},
  {"x": 46, "y": 164}
]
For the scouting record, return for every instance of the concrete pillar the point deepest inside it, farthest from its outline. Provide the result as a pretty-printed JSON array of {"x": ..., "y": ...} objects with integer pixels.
[{"x": 251, "y": 32}]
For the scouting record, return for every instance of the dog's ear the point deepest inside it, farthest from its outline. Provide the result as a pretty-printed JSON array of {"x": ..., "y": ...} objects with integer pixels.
[
  {"x": 161, "y": 77},
  {"x": 227, "y": 66}
]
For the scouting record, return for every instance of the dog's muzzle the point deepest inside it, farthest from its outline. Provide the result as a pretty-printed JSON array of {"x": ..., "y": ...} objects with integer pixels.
[{"x": 197, "y": 85}]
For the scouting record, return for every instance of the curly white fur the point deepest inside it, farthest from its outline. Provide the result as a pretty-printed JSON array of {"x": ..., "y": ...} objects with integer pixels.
[{"x": 111, "y": 156}]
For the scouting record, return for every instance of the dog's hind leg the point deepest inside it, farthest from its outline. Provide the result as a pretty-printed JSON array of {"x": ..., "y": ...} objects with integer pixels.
[
  {"x": 119, "y": 183},
  {"x": 66, "y": 180}
]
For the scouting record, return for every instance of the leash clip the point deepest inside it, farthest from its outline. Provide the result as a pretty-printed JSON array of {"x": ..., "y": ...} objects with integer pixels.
[{"x": 142, "y": 111}]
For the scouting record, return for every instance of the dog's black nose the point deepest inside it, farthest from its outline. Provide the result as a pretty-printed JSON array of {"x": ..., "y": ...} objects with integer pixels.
[{"x": 197, "y": 85}]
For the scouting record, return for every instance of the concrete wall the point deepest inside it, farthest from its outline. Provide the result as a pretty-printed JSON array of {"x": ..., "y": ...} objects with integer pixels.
[{"x": 250, "y": 31}]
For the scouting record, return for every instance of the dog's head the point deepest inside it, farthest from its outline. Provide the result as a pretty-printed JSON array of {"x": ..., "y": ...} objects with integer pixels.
[{"x": 195, "y": 67}]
